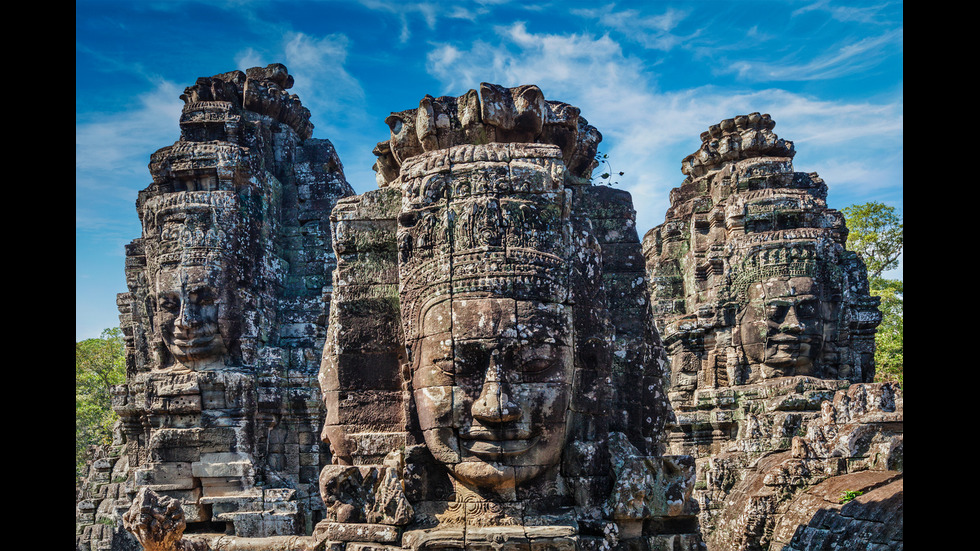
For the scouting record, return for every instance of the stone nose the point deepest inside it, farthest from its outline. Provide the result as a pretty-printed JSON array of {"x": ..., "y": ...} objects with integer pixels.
[
  {"x": 189, "y": 316},
  {"x": 791, "y": 323},
  {"x": 494, "y": 404}
]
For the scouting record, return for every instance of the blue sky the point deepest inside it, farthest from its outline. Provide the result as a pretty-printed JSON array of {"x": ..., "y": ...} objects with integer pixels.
[{"x": 651, "y": 76}]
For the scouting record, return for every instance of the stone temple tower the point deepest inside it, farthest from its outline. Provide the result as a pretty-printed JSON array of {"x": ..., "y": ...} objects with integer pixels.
[
  {"x": 225, "y": 316},
  {"x": 765, "y": 316},
  {"x": 491, "y": 376}
]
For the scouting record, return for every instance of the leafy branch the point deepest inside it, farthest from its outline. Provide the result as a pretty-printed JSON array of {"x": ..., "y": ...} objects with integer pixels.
[{"x": 606, "y": 176}]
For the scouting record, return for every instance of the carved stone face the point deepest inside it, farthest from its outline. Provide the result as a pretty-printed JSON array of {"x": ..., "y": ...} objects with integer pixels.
[
  {"x": 492, "y": 383},
  {"x": 188, "y": 311},
  {"x": 781, "y": 329}
]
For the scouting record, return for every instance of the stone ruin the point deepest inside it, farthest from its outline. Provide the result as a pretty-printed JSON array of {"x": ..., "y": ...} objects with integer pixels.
[
  {"x": 470, "y": 356},
  {"x": 225, "y": 319},
  {"x": 487, "y": 334},
  {"x": 767, "y": 321}
]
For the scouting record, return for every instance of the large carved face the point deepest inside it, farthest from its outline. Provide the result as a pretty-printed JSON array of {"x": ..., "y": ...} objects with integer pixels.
[
  {"x": 189, "y": 309},
  {"x": 492, "y": 383},
  {"x": 781, "y": 329}
]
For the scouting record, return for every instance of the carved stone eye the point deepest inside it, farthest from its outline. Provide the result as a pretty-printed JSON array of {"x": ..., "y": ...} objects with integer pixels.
[{"x": 168, "y": 303}]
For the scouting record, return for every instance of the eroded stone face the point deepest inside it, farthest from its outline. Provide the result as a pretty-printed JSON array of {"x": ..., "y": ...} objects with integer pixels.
[
  {"x": 190, "y": 301},
  {"x": 488, "y": 341},
  {"x": 763, "y": 310},
  {"x": 227, "y": 301},
  {"x": 781, "y": 329},
  {"x": 492, "y": 393}
]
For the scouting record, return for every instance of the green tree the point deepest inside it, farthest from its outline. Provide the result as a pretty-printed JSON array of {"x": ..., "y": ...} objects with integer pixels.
[
  {"x": 876, "y": 234},
  {"x": 888, "y": 340},
  {"x": 99, "y": 364}
]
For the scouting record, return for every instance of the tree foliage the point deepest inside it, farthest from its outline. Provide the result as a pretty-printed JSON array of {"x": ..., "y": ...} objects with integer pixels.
[
  {"x": 888, "y": 341},
  {"x": 876, "y": 234},
  {"x": 99, "y": 364}
]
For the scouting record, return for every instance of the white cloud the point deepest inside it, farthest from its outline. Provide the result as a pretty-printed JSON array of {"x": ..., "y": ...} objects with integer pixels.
[
  {"x": 429, "y": 12},
  {"x": 557, "y": 61},
  {"x": 864, "y": 14},
  {"x": 647, "y": 131},
  {"x": 110, "y": 148},
  {"x": 849, "y": 58},
  {"x": 323, "y": 83},
  {"x": 249, "y": 58},
  {"x": 651, "y": 31}
]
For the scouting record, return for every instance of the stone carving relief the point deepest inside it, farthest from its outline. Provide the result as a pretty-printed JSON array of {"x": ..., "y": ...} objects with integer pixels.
[
  {"x": 763, "y": 312},
  {"x": 225, "y": 318},
  {"x": 470, "y": 355},
  {"x": 486, "y": 338}
]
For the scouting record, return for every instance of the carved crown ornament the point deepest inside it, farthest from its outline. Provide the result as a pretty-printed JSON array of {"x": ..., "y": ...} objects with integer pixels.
[{"x": 495, "y": 114}]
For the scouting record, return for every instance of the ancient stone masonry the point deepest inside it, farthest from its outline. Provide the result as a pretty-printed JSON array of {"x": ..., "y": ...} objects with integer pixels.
[
  {"x": 480, "y": 354},
  {"x": 491, "y": 378},
  {"x": 766, "y": 318},
  {"x": 225, "y": 320}
]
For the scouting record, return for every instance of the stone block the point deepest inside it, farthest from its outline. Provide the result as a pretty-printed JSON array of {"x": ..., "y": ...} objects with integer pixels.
[{"x": 360, "y": 532}]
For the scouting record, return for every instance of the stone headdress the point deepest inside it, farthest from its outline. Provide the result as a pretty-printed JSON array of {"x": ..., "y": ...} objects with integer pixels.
[
  {"x": 190, "y": 228},
  {"x": 744, "y": 216},
  {"x": 811, "y": 258},
  {"x": 483, "y": 220}
]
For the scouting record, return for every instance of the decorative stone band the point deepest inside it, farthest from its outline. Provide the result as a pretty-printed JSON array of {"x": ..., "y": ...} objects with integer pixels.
[
  {"x": 211, "y": 112},
  {"x": 522, "y": 274},
  {"x": 782, "y": 259},
  {"x": 734, "y": 139},
  {"x": 195, "y": 154},
  {"x": 186, "y": 157},
  {"x": 493, "y": 168},
  {"x": 190, "y": 228},
  {"x": 207, "y": 110}
]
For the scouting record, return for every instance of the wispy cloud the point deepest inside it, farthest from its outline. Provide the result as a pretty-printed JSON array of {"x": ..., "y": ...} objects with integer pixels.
[
  {"x": 111, "y": 154},
  {"x": 119, "y": 144},
  {"x": 322, "y": 79},
  {"x": 864, "y": 14},
  {"x": 847, "y": 59},
  {"x": 430, "y": 13},
  {"x": 652, "y": 31},
  {"x": 322, "y": 60},
  {"x": 520, "y": 57}
]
